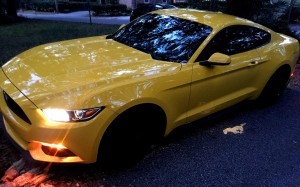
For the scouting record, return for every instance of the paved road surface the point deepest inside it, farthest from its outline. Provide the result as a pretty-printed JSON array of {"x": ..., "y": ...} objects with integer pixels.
[
  {"x": 81, "y": 16},
  {"x": 267, "y": 153}
]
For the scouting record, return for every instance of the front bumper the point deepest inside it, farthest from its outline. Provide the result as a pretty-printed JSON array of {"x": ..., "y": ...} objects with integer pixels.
[{"x": 82, "y": 139}]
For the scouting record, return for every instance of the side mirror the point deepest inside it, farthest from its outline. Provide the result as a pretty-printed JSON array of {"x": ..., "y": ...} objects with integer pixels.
[{"x": 217, "y": 59}]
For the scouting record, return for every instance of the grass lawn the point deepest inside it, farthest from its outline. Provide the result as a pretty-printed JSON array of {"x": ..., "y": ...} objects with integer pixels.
[{"x": 19, "y": 37}]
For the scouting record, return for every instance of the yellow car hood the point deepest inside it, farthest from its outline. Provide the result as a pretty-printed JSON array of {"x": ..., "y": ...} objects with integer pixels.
[{"x": 75, "y": 67}]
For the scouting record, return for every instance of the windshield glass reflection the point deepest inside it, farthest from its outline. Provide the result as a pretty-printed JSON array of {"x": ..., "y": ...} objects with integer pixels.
[{"x": 164, "y": 37}]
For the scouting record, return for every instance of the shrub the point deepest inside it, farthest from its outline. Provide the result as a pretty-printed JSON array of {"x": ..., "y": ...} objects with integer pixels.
[
  {"x": 72, "y": 6},
  {"x": 109, "y": 9},
  {"x": 295, "y": 14},
  {"x": 181, "y": 5},
  {"x": 49, "y": 6},
  {"x": 44, "y": 7}
]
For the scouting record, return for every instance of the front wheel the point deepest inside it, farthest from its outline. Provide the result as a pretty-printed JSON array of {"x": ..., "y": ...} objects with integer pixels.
[{"x": 128, "y": 139}]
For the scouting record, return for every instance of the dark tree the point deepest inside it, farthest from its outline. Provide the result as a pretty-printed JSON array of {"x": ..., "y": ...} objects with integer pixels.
[
  {"x": 11, "y": 8},
  {"x": 211, "y": 5},
  {"x": 245, "y": 8},
  {"x": 271, "y": 13}
]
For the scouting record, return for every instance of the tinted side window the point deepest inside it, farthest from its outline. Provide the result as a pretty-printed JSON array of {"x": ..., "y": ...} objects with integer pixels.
[{"x": 235, "y": 39}]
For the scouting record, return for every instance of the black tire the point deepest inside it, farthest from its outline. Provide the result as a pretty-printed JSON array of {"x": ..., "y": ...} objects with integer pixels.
[
  {"x": 128, "y": 138},
  {"x": 275, "y": 86}
]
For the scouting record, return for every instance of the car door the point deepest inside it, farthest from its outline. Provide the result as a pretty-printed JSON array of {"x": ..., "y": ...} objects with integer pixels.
[{"x": 216, "y": 87}]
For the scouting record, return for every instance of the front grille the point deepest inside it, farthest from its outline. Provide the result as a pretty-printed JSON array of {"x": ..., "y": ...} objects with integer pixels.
[{"x": 15, "y": 108}]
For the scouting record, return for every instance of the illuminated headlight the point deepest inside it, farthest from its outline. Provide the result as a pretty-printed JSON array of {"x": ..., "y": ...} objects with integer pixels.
[{"x": 61, "y": 115}]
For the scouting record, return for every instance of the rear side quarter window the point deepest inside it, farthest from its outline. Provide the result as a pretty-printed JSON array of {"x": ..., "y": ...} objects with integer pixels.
[{"x": 235, "y": 39}]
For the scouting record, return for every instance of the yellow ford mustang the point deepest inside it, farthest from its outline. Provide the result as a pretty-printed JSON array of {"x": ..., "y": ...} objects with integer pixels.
[{"x": 111, "y": 97}]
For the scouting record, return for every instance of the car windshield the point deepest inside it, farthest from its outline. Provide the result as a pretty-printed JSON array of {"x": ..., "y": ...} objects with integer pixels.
[{"x": 163, "y": 37}]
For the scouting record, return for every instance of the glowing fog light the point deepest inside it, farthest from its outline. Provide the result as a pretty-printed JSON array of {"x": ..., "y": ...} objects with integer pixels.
[
  {"x": 56, "y": 150},
  {"x": 54, "y": 146},
  {"x": 71, "y": 115}
]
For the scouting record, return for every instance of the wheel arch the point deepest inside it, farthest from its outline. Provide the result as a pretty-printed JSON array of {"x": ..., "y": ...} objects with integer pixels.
[
  {"x": 144, "y": 110},
  {"x": 274, "y": 86},
  {"x": 146, "y": 103},
  {"x": 284, "y": 67},
  {"x": 155, "y": 110}
]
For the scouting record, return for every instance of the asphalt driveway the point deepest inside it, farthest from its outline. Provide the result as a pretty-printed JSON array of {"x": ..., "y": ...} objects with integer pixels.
[{"x": 244, "y": 145}]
